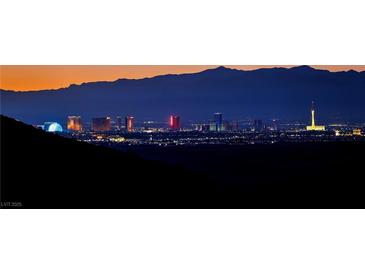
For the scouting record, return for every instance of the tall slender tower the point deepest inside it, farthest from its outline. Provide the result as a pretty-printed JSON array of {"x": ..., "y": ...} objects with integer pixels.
[
  {"x": 313, "y": 122},
  {"x": 313, "y": 126}
]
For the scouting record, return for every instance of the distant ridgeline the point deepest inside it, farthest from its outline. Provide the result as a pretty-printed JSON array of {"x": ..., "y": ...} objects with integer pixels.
[{"x": 264, "y": 93}]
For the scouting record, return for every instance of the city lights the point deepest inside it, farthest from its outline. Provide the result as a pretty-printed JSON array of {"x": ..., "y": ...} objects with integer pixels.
[{"x": 104, "y": 130}]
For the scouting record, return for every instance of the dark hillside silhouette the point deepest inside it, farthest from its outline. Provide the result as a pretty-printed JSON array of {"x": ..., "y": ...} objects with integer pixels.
[{"x": 42, "y": 170}]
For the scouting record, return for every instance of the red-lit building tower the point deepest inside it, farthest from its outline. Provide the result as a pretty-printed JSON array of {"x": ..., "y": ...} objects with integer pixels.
[{"x": 174, "y": 122}]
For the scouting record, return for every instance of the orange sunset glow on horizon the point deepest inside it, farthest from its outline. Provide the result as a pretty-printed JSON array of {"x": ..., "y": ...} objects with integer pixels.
[{"x": 39, "y": 77}]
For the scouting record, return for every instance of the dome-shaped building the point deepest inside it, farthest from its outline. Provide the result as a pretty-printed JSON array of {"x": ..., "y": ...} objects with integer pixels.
[{"x": 52, "y": 127}]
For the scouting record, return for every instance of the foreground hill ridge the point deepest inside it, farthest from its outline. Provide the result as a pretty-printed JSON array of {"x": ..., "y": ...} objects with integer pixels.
[{"x": 43, "y": 170}]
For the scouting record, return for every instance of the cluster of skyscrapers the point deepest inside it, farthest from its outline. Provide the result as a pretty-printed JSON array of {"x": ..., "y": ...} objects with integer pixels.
[
  {"x": 74, "y": 123},
  {"x": 100, "y": 124},
  {"x": 217, "y": 124}
]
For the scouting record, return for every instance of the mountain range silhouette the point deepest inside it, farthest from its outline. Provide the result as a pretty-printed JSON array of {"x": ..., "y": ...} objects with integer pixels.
[{"x": 280, "y": 93}]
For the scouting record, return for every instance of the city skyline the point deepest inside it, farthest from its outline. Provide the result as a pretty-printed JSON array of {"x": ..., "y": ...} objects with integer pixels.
[
  {"x": 39, "y": 77},
  {"x": 216, "y": 131},
  {"x": 262, "y": 94},
  {"x": 217, "y": 124}
]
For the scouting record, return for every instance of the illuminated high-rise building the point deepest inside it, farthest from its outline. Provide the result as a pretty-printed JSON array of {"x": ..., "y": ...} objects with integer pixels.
[
  {"x": 129, "y": 123},
  {"x": 313, "y": 126},
  {"x": 218, "y": 119},
  {"x": 212, "y": 126},
  {"x": 101, "y": 124},
  {"x": 74, "y": 123},
  {"x": 174, "y": 122},
  {"x": 119, "y": 123}
]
